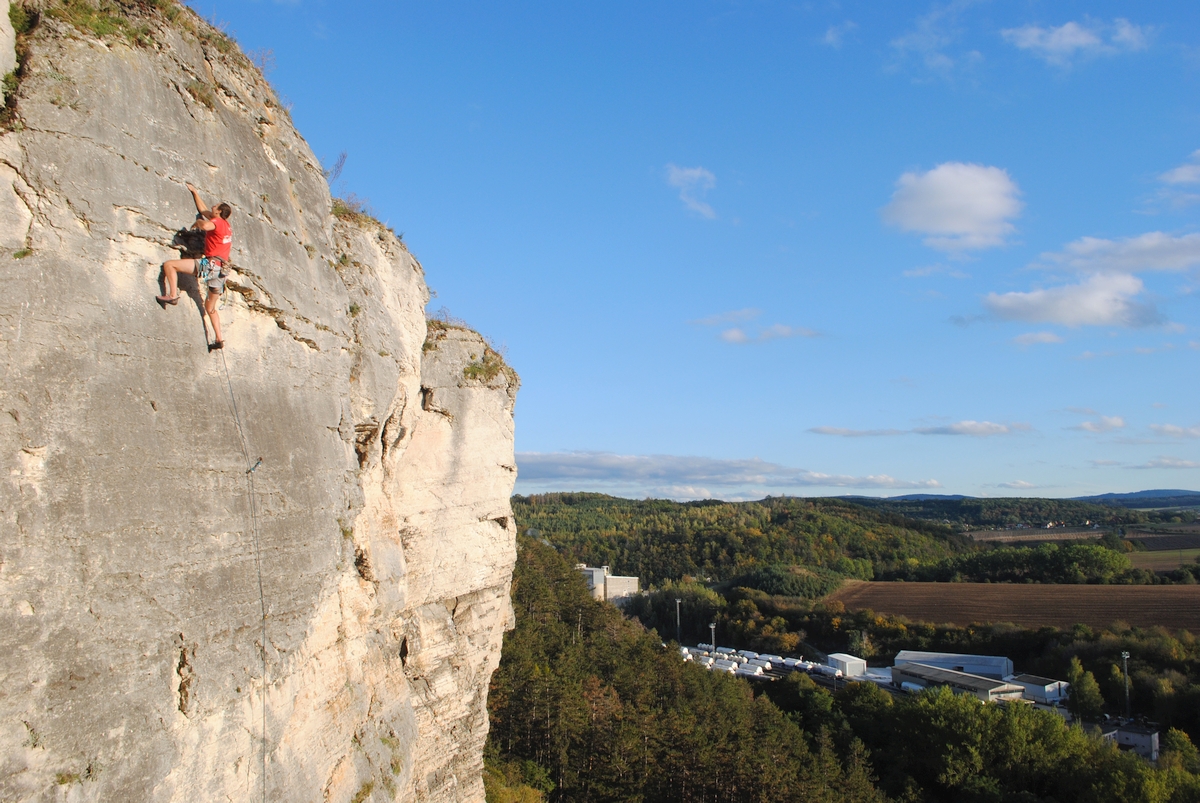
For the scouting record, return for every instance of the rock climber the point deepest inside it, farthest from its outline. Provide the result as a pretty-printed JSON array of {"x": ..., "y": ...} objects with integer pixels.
[{"x": 210, "y": 269}]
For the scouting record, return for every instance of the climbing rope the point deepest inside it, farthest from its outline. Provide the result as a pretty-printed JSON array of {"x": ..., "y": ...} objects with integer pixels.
[{"x": 252, "y": 495}]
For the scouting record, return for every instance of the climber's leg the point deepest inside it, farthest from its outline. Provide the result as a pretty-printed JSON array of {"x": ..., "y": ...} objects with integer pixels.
[
  {"x": 171, "y": 269},
  {"x": 210, "y": 307}
]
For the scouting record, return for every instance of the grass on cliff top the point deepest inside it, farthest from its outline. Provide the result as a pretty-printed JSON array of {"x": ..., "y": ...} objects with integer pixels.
[
  {"x": 131, "y": 20},
  {"x": 353, "y": 209},
  {"x": 481, "y": 369},
  {"x": 107, "y": 20}
]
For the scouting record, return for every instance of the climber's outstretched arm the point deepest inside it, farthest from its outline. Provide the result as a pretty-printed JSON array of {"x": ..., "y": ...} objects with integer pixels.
[{"x": 204, "y": 221}]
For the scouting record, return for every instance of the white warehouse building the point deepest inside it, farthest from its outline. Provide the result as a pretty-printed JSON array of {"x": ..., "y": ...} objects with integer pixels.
[
  {"x": 605, "y": 586},
  {"x": 1043, "y": 690},
  {"x": 851, "y": 666}
]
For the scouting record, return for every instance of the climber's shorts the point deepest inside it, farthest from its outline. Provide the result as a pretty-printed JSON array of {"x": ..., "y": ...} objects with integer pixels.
[{"x": 212, "y": 273}]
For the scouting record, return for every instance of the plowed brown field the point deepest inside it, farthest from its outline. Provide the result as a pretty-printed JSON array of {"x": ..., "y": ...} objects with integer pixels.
[{"x": 1173, "y": 607}]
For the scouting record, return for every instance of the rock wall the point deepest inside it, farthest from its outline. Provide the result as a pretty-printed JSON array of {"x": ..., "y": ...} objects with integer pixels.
[{"x": 133, "y": 542}]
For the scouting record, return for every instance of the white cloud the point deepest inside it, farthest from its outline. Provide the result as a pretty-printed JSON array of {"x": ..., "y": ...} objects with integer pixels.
[
  {"x": 962, "y": 207},
  {"x": 1100, "y": 300},
  {"x": 1185, "y": 173},
  {"x": 735, "y": 316},
  {"x": 1154, "y": 250},
  {"x": 1018, "y": 485},
  {"x": 1105, "y": 423},
  {"x": 693, "y": 184},
  {"x": 639, "y": 474},
  {"x": 1173, "y": 431},
  {"x": 1035, "y": 338},
  {"x": 977, "y": 429},
  {"x": 1060, "y": 46},
  {"x": 1104, "y": 463},
  {"x": 1163, "y": 461},
  {"x": 773, "y": 332},
  {"x": 835, "y": 33}
]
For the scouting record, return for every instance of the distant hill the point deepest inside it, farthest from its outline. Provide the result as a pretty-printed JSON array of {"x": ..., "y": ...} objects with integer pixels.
[
  {"x": 1143, "y": 499},
  {"x": 913, "y": 497},
  {"x": 977, "y": 511},
  {"x": 974, "y": 513}
]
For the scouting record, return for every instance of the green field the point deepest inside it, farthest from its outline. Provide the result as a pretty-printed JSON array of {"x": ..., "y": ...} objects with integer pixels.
[{"x": 1163, "y": 560}]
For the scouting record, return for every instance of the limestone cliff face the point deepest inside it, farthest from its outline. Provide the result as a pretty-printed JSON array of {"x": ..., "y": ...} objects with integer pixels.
[{"x": 133, "y": 542}]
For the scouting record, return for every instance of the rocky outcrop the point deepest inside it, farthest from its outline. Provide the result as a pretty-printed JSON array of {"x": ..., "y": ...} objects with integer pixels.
[{"x": 173, "y": 625}]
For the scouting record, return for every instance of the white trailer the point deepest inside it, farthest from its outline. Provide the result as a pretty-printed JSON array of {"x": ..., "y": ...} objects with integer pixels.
[{"x": 826, "y": 671}]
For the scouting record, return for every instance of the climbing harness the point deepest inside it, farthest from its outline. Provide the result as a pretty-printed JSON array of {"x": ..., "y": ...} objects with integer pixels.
[{"x": 252, "y": 495}]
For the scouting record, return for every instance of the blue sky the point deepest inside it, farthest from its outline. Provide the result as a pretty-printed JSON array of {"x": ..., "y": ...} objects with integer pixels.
[{"x": 749, "y": 248}]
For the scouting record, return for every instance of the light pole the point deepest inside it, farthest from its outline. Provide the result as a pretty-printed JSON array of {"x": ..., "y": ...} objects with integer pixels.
[
  {"x": 712, "y": 628},
  {"x": 678, "y": 630},
  {"x": 1125, "y": 672}
]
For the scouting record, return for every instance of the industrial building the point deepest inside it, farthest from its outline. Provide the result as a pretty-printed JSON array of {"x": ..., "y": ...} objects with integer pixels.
[
  {"x": 922, "y": 676},
  {"x": 989, "y": 666},
  {"x": 1136, "y": 739},
  {"x": 605, "y": 586},
  {"x": 1043, "y": 690},
  {"x": 851, "y": 666}
]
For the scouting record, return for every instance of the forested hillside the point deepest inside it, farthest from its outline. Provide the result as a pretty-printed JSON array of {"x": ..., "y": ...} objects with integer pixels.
[
  {"x": 978, "y": 514},
  {"x": 659, "y": 540},
  {"x": 588, "y": 706}
]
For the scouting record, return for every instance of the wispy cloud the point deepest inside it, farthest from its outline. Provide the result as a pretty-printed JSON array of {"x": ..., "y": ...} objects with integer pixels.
[
  {"x": 1100, "y": 300},
  {"x": 734, "y": 316},
  {"x": 1018, "y": 485},
  {"x": 1062, "y": 45},
  {"x": 961, "y": 207},
  {"x": 934, "y": 270},
  {"x": 977, "y": 429},
  {"x": 693, "y": 184},
  {"x": 1173, "y": 431},
  {"x": 1036, "y": 338},
  {"x": 756, "y": 334},
  {"x": 776, "y": 331},
  {"x": 834, "y": 34},
  {"x": 1163, "y": 461},
  {"x": 1180, "y": 190},
  {"x": 1105, "y": 423},
  {"x": 641, "y": 474},
  {"x": 932, "y": 36},
  {"x": 857, "y": 433},
  {"x": 1139, "y": 350},
  {"x": 1153, "y": 251}
]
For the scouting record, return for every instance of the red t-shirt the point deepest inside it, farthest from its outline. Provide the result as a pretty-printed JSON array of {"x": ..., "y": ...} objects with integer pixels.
[{"x": 218, "y": 241}]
